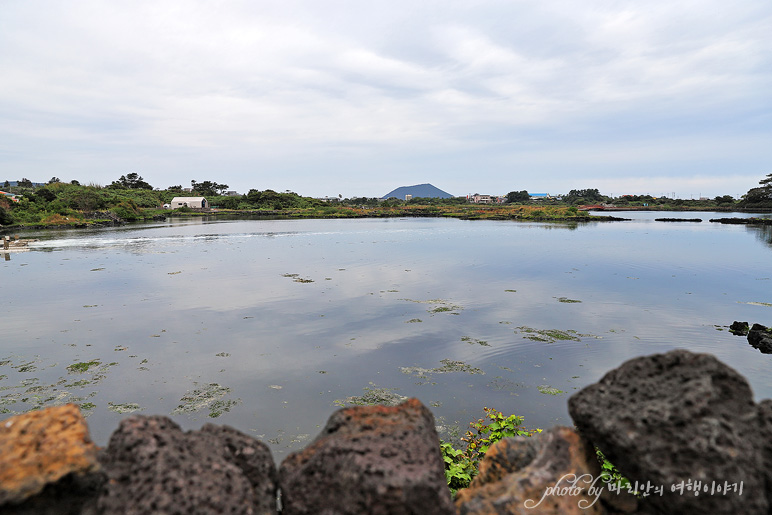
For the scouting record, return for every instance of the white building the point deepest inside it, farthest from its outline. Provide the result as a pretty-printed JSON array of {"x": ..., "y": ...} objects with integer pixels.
[{"x": 192, "y": 202}]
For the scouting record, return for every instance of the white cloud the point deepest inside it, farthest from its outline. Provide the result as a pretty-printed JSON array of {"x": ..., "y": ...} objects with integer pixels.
[{"x": 355, "y": 91}]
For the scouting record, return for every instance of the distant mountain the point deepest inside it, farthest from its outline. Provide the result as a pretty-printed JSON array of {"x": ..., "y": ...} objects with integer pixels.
[{"x": 419, "y": 190}]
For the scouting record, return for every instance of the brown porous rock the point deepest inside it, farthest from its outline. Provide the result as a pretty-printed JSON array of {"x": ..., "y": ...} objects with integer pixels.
[
  {"x": 554, "y": 472},
  {"x": 48, "y": 463},
  {"x": 369, "y": 460}
]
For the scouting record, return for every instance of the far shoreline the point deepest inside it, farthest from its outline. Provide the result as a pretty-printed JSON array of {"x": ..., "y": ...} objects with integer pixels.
[{"x": 516, "y": 213}]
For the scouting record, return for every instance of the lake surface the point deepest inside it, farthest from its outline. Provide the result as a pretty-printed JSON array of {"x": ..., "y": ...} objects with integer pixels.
[{"x": 270, "y": 325}]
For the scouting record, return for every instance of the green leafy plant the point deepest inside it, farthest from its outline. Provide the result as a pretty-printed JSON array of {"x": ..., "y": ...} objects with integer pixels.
[
  {"x": 461, "y": 466},
  {"x": 609, "y": 473},
  {"x": 485, "y": 433},
  {"x": 459, "y": 469}
]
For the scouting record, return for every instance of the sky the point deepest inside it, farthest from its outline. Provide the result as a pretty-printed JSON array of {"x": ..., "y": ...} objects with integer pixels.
[{"x": 356, "y": 98}]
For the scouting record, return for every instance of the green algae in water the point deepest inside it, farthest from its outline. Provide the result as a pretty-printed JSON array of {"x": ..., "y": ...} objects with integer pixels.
[
  {"x": 552, "y": 335},
  {"x": 443, "y": 306},
  {"x": 373, "y": 396},
  {"x": 566, "y": 300},
  {"x": 414, "y": 321},
  {"x": 548, "y": 390},
  {"x": 502, "y": 384},
  {"x": 297, "y": 278},
  {"x": 448, "y": 365},
  {"x": 79, "y": 368},
  {"x": 26, "y": 367},
  {"x": 208, "y": 396},
  {"x": 473, "y": 341},
  {"x": 128, "y": 407},
  {"x": 31, "y": 394}
]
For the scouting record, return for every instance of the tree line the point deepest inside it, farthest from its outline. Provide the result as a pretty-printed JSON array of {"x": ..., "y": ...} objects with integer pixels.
[
  {"x": 756, "y": 197},
  {"x": 130, "y": 196}
]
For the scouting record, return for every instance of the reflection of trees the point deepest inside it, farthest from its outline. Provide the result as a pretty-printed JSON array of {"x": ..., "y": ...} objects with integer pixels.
[
  {"x": 571, "y": 226},
  {"x": 762, "y": 232}
]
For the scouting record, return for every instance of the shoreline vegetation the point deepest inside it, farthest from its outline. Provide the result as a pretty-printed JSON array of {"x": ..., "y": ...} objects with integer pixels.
[{"x": 131, "y": 199}]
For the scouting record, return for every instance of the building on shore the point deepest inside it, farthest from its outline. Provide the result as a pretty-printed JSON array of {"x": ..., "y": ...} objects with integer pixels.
[{"x": 191, "y": 202}]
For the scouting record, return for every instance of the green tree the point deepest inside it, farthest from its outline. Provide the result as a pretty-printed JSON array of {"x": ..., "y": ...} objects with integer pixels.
[
  {"x": 44, "y": 195},
  {"x": 5, "y": 212},
  {"x": 760, "y": 196},
  {"x": 87, "y": 199},
  {"x": 585, "y": 196},
  {"x": 132, "y": 181},
  {"x": 208, "y": 188},
  {"x": 6, "y": 185},
  {"x": 518, "y": 196},
  {"x": 24, "y": 183}
]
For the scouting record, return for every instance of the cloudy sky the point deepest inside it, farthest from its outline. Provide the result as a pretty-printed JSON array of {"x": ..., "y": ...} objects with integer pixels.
[{"x": 353, "y": 97}]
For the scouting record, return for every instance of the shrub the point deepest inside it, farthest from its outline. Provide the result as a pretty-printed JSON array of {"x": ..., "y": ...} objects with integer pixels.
[
  {"x": 5, "y": 216},
  {"x": 461, "y": 466},
  {"x": 127, "y": 210},
  {"x": 56, "y": 219}
]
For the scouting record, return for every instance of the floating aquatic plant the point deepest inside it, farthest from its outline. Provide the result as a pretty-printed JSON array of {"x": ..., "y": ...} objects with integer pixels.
[
  {"x": 128, "y": 407},
  {"x": 475, "y": 341},
  {"x": 208, "y": 396},
  {"x": 373, "y": 396},
  {"x": 548, "y": 390},
  {"x": 448, "y": 365},
  {"x": 551, "y": 335},
  {"x": 79, "y": 368}
]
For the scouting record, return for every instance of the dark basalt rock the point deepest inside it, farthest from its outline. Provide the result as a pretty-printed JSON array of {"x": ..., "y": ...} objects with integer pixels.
[
  {"x": 676, "y": 417},
  {"x": 369, "y": 459},
  {"x": 743, "y": 221},
  {"x": 760, "y": 337},
  {"x": 154, "y": 467},
  {"x": 739, "y": 328}
]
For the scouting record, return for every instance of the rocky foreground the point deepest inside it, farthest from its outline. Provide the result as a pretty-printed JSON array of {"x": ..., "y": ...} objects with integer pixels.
[{"x": 683, "y": 428}]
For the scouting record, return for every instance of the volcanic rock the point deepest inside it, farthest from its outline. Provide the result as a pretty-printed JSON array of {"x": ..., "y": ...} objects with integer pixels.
[{"x": 369, "y": 459}]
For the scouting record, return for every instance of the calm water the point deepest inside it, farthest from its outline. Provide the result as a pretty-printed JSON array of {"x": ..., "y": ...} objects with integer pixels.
[{"x": 270, "y": 325}]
